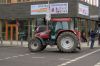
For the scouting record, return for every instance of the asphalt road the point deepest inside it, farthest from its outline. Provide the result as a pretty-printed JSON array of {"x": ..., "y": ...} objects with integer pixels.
[{"x": 19, "y": 56}]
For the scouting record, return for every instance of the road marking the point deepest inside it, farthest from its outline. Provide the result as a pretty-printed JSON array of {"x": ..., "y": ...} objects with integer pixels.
[
  {"x": 38, "y": 57},
  {"x": 1, "y": 59},
  {"x": 8, "y": 58},
  {"x": 20, "y": 55},
  {"x": 27, "y": 54},
  {"x": 98, "y": 64},
  {"x": 63, "y": 59},
  {"x": 32, "y": 53},
  {"x": 76, "y": 59}
]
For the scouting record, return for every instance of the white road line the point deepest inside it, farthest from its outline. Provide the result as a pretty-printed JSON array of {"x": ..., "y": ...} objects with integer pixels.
[
  {"x": 8, "y": 58},
  {"x": 63, "y": 59},
  {"x": 27, "y": 54},
  {"x": 38, "y": 57},
  {"x": 76, "y": 59},
  {"x": 21, "y": 55},
  {"x": 1, "y": 59},
  {"x": 32, "y": 53},
  {"x": 14, "y": 56},
  {"x": 98, "y": 64}
]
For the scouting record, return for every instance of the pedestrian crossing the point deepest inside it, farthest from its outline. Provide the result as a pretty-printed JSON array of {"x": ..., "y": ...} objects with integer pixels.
[{"x": 98, "y": 64}]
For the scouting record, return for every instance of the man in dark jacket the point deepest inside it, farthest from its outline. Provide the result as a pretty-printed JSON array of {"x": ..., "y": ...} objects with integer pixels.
[
  {"x": 92, "y": 35},
  {"x": 99, "y": 40}
]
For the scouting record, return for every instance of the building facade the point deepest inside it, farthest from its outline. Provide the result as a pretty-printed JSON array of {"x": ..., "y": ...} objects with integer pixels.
[{"x": 18, "y": 20}]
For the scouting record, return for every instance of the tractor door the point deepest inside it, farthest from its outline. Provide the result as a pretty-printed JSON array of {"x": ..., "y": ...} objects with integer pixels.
[{"x": 61, "y": 24}]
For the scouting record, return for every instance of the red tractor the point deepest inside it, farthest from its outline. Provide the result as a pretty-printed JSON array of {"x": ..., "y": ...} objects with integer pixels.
[{"x": 60, "y": 32}]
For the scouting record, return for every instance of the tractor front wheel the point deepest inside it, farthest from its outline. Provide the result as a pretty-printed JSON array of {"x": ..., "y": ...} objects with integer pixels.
[
  {"x": 67, "y": 42},
  {"x": 35, "y": 45}
]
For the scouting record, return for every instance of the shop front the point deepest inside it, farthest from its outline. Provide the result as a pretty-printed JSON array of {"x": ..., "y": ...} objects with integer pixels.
[{"x": 16, "y": 29}]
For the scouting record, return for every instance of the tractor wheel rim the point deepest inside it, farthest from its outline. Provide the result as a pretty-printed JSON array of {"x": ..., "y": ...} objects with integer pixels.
[
  {"x": 34, "y": 45},
  {"x": 67, "y": 43}
]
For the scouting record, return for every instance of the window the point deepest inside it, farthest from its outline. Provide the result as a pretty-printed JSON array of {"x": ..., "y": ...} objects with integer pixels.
[
  {"x": 27, "y": 0},
  {"x": 18, "y": 1},
  {"x": 58, "y": 26},
  {"x": 92, "y": 2},
  {"x": 88, "y": 1},
  {"x": 38, "y": 0},
  {"x": 65, "y": 25},
  {"x": 2, "y": 1},
  {"x": 8, "y": 1},
  {"x": 97, "y": 3}
]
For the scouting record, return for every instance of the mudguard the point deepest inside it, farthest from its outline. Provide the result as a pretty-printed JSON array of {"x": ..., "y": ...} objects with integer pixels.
[{"x": 43, "y": 43}]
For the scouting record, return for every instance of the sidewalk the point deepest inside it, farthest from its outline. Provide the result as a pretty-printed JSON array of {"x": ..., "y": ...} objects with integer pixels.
[
  {"x": 85, "y": 44},
  {"x": 25, "y": 44},
  {"x": 14, "y": 43}
]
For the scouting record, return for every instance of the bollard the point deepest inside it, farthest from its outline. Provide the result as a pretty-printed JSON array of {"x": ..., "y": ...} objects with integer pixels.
[
  {"x": 1, "y": 40},
  {"x": 11, "y": 42},
  {"x": 88, "y": 42},
  {"x": 21, "y": 42},
  {"x": 17, "y": 42}
]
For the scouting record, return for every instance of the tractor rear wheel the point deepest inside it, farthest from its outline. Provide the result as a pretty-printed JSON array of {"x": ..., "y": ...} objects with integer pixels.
[
  {"x": 35, "y": 45},
  {"x": 67, "y": 42}
]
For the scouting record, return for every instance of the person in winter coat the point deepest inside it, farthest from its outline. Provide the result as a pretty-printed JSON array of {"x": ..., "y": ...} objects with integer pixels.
[
  {"x": 83, "y": 36},
  {"x": 99, "y": 40},
  {"x": 92, "y": 35}
]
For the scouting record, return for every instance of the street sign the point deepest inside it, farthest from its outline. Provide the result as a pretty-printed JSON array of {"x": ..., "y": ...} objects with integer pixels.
[{"x": 48, "y": 16}]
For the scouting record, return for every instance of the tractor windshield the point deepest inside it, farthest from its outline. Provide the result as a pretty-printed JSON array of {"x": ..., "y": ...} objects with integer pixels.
[
  {"x": 63, "y": 26},
  {"x": 60, "y": 25}
]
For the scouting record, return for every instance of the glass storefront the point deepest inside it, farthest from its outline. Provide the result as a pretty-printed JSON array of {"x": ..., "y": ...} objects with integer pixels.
[
  {"x": 23, "y": 27},
  {"x": 85, "y": 26},
  {"x": 9, "y": 29},
  {"x": 3, "y": 29}
]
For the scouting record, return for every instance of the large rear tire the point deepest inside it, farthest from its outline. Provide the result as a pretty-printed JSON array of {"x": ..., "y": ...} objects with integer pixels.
[
  {"x": 67, "y": 42},
  {"x": 35, "y": 45}
]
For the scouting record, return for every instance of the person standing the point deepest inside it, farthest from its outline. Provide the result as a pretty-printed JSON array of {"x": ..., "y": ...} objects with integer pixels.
[
  {"x": 92, "y": 35},
  {"x": 99, "y": 39},
  {"x": 83, "y": 36}
]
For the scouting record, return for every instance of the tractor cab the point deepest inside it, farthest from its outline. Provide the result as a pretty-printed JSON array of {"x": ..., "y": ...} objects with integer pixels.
[
  {"x": 60, "y": 25},
  {"x": 56, "y": 25}
]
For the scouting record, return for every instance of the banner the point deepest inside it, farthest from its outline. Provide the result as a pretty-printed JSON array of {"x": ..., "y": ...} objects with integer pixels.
[
  {"x": 83, "y": 10},
  {"x": 55, "y": 8}
]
